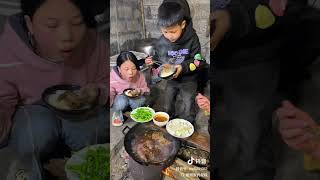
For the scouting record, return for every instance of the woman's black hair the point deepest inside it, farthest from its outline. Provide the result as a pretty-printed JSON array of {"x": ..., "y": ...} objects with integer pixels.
[
  {"x": 29, "y": 7},
  {"x": 127, "y": 56}
]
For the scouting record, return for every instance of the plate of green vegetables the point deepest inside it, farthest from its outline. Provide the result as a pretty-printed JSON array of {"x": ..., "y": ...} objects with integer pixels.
[
  {"x": 142, "y": 114},
  {"x": 90, "y": 163}
]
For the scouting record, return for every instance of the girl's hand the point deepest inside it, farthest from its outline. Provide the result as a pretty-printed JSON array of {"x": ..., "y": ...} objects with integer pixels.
[
  {"x": 148, "y": 61},
  {"x": 136, "y": 92},
  {"x": 293, "y": 127},
  {"x": 203, "y": 102},
  {"x": 89, "y": 93}
]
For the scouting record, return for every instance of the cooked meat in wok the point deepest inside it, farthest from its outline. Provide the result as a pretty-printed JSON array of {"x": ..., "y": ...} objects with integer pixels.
[
  {"x": 153, "y": 147},
  {"x": 158, "y": 136}
]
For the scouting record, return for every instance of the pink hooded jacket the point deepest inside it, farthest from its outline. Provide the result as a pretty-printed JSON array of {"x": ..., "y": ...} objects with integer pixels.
[
  {"x": 24, "y": 75},
  {"x": 118, "y": 85}
]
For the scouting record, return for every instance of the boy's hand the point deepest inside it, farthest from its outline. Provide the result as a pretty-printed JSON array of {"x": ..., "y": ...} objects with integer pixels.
[
  {"x": 203, "y": 102},
  {"x": 222, "y": 23},
  {"x": 293, "y": 127},
  {"x": 179, "y": 69},
  {"x": 148, "y": 61}
]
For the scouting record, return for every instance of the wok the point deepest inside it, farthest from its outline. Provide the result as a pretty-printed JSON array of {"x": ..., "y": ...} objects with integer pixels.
[{"x": 134, "y": 136}]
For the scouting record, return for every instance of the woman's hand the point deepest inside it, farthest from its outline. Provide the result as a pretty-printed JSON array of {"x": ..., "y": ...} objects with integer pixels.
[
  {"x": 293, "y": 127},
  {"x": 203, "y": 102}
]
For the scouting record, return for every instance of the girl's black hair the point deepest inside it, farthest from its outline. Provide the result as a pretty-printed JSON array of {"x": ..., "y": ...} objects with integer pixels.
[
  {"x": 127, "y": 56},
  {"x": 29, "y": 7}
]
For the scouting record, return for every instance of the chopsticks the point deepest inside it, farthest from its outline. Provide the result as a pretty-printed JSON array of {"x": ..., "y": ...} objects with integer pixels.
[{"x": 157, "y": 62}]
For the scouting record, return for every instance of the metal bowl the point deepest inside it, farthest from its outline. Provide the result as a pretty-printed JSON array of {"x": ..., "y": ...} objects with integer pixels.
[
  {"x": 172, "y": 70},
  {"x": 129, "y": 89}
]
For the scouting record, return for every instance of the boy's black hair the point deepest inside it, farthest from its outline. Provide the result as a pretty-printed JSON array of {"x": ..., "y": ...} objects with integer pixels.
[
  {"x": 125, "y": 56},
  {"x": 29, "y": 7},
  {"x": 170, "y": 13}
]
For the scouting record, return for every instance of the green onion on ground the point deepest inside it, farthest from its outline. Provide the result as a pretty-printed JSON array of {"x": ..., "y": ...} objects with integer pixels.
[{"x": 96, "y": 165}]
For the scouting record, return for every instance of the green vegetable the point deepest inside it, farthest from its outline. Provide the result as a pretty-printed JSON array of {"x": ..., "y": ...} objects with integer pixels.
[
  {"x": 142, "y": 115},
  {"x": 96, "y": 165}
]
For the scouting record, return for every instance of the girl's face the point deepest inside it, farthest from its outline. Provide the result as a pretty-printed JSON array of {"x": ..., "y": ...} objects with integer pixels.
[
  {"x": 58, "y": 29},
  {"x": 127, "y": 70}
]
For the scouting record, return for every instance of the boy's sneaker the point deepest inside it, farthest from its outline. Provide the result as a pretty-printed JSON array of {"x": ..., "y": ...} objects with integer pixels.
[{"x": 117, "y": 122}]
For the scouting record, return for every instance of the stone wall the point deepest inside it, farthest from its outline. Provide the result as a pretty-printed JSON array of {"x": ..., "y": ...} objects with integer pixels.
[
  {"x": 7, "y": 7},
  {"x": 125, "y": 24}
]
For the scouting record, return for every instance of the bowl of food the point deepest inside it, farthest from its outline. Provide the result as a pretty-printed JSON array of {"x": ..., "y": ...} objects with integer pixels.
[
  {"x": 167, "y": 71},
  {"x": 130, "y": 92},
  {"x": 180, "y": 128},
  {"x": 142, "y": 114},
  {"x": 66, "y": 99},
  {"x": 160, "y": 118}
]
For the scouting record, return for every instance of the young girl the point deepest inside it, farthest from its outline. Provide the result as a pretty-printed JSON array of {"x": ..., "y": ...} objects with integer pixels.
[
  {"x": 126, "y": 75},
  {"x": 51, "y": 42}
]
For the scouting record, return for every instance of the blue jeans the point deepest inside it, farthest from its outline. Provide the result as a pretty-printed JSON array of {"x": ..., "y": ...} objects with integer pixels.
[
  {"x": 36, "y": 131},
  {"x": 122, "y": 102}
]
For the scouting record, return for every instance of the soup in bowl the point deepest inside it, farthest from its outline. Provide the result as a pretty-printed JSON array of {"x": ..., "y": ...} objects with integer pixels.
[{"x": 161, "y": 118}]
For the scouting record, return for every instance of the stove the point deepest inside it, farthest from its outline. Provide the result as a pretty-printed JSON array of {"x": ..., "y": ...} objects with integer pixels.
[
  {"x": 191, "y": 162},
  {"x": 193, "y": 169},
  {"x": 143, "y": 172}
]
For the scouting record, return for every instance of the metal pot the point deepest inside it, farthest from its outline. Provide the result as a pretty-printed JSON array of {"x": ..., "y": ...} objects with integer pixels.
[{"x": 146, "y": 46}]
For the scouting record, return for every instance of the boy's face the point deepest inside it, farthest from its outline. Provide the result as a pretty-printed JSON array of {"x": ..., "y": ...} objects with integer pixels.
[
  {"x": 174, "y": 32},
  {"x": 58, "y": 28}
]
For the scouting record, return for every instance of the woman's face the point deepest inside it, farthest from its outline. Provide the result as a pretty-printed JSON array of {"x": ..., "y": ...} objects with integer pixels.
[
  {"x": 58, "y": 29},
  {"x": 128, "y": 70}
]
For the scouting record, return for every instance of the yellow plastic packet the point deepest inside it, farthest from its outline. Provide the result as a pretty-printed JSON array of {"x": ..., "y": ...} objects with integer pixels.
[
  {"x": 311, "y": 164},
  {"x": 264, "y": 17}
]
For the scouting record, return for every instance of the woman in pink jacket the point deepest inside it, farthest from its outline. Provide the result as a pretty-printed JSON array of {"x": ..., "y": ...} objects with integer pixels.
[
  {"x": 126, "y": 75},
  {"x": 51, "y": 42}
]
